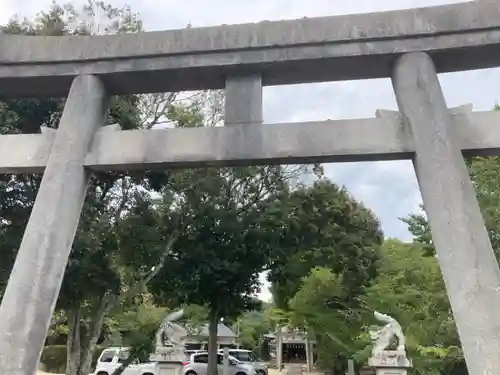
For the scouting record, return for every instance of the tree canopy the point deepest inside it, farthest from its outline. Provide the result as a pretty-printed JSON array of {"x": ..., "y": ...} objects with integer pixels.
[{"x": 322, "y": 225}]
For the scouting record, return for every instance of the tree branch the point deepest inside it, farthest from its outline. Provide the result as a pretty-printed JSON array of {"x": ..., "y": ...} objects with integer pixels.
[
  {"x": 94, "y": 331},
  {"x": 123, "y": 202},
  {"x": 161, "y": 263},
  {"x": 151, "y": 275}
]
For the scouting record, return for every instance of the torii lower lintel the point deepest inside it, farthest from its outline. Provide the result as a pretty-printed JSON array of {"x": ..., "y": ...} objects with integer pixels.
[{"x": 385, "y": 137}]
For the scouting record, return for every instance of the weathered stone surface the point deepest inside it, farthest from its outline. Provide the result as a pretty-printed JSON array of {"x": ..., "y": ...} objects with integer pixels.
[
  {"x": 460, "y": 36},
  {"x": 243, "y": 101},
  {"x": 383, "y": 336},
  {"x": 20, "y": 153},
  {"x": 467, "y": 261},
  {"x": 169, "y": 368},
  {"x": 390, "y": 359},
  {"x": 391, "y": 371},
  {"x": 383, "y": 138},
  {"x": 28, "y": 153},
  {"x": 35, "y": 281},
  {"x": 417, "y": 22}
]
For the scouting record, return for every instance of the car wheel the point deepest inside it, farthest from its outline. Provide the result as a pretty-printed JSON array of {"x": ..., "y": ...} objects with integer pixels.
[
  {"x": 191, "y": 373},
  {"x": 102, "y": 373},
  {"x": 240, "y": 373},
  {"x": 147, "y": 373},
  {"x": 262, "y": 372}
]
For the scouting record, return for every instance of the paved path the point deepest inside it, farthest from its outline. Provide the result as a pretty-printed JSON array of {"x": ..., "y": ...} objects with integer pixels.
[{"x": 293, "y": 369}]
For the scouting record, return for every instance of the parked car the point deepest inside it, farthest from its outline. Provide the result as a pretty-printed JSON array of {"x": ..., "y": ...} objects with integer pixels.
[
  {"x": 198, "y": 363},
  {"x": 248, "y": 357},
  {"x": 188, "y": 353},
  {"x": 111, "y": 358}
]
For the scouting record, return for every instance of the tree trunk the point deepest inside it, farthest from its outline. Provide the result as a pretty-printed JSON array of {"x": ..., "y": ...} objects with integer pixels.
[
  {"x": 80, "y": 347},
  {"x": 73, "y": 342},
  {"x": 93, "y": 334},
  {"x": 339, "y": 370},
  {"x": 212, "y": 342}
]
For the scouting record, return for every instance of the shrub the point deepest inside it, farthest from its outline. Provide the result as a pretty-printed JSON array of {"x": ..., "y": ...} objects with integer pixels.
[{"x": 54, "y": 358}]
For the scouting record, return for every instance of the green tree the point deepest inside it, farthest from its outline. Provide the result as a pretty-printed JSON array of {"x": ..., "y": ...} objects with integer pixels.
[
  {"x": 327, "y": 254},
  {"x": 218, "y": 256},
  {"x": 323, "y": 226},
  {"x": 250, "y": 328},
  {"x": 195, "y": 319},
  {"x": 315, "y": 308}
]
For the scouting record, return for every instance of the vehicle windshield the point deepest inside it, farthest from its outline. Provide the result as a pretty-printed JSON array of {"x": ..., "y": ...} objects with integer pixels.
[
  {"x": 108, "y": 355},
  {"x": 245, "y": 356},
  {"x": 254, "y": 357},
  {"x": 123, "y": 355}
]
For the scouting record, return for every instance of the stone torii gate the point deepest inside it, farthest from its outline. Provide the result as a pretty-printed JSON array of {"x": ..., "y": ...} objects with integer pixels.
[{"x": 410, "y": 46}]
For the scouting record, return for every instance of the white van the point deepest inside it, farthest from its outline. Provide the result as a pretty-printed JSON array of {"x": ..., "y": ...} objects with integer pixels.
[{"x": 112, "y": 358}]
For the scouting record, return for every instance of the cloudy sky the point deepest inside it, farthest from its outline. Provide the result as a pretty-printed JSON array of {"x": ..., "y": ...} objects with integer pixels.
[{"x": 388, "y": 188}]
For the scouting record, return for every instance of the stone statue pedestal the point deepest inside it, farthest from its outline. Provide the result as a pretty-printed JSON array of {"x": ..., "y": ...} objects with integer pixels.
[
  {"x": 169, "y": 368},
  {"x": 169, "y": 354},
  {"x": 169, "y": 361},
  {"x": 390, "y": 362}
]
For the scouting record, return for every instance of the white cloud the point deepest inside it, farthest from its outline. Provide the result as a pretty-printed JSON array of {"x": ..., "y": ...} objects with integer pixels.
[{"x": 388, "y": 188}]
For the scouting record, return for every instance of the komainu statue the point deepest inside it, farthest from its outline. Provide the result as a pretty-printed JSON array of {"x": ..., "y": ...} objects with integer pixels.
[
  {"x": 382, "y": 338},
  {"x": 171, "y": 331}
]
